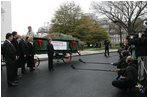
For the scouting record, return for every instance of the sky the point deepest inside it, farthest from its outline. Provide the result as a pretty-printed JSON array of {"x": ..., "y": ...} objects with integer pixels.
[{"x": 36, "y": 12}]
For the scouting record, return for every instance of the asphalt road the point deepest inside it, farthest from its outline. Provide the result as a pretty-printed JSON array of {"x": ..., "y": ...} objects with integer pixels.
[{"x": 66, "y": 82}]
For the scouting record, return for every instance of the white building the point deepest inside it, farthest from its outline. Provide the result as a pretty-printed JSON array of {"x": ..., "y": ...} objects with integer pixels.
[
  {"x": 44, "y": 30},
  {"x": 6, "y": 25},
  {"x": 113, "y": 30}
]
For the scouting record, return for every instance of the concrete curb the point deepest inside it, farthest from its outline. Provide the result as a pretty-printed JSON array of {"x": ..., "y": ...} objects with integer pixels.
[{"x": 96, "y": 52}]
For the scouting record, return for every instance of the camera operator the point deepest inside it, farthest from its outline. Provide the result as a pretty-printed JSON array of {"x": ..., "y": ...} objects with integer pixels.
[{"x": 140, "y": 42}]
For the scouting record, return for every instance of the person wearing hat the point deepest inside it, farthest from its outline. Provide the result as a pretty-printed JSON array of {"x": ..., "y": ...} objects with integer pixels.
[{"x": 50, "y": 51}]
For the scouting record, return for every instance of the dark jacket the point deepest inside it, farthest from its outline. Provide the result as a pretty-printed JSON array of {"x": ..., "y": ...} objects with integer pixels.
[
  {"x": 140, "y": 46},
  {"x": 9, "y": 51},
  {"x": 31, "y": 50},
  {"x": 107, "y": 44},
  {"x": 50, "y": 49},
  {"x": 131, "y": 74},
  {"x": 16, "y": 45},
  {"x": 23, "y": 48},
  {"x": 30, "y": 58},
  {"x": 121, "y": 63}
]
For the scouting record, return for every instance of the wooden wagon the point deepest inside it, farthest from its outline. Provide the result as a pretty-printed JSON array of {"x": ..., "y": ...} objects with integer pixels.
[{"x": 63, "y": 48}]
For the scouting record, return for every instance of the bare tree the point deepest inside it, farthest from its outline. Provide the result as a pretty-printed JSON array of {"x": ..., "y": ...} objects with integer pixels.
[{"x": 125, "y": 13}]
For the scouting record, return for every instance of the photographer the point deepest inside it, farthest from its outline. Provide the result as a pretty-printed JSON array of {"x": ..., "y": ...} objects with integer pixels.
[{"x": 140, "y": 42}]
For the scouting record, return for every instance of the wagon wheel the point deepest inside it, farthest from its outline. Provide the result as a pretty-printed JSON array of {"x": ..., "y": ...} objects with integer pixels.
[
  {"x": 36, "y": 61},
  {"x": 68, "y": 57}
]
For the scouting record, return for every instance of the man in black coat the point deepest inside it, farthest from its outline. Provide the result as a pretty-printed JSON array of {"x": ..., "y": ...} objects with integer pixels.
[
  {"x": 31, "y": 53},
  {"x": 16, "y": 45},
  {"x": 10, "y": 59},
  {"x": 107, "y": 44},
  {"x": 23, "y": 53},
  {"x": 129, "y": 76},
  {"x": 50, "y": 51}
]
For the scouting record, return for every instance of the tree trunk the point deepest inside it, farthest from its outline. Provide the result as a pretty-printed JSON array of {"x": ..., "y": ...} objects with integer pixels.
[{"x": 120, "y": 34}]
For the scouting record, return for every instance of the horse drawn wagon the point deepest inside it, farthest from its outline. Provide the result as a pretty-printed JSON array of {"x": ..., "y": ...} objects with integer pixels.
[{"x": 63, "y": 48}]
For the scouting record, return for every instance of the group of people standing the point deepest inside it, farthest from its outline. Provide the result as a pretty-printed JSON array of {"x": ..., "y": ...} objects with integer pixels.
[{"x": 17, "y": 54}]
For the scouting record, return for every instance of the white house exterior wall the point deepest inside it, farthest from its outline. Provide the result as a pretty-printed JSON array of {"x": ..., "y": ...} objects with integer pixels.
[{"x": 6, "y": 25}]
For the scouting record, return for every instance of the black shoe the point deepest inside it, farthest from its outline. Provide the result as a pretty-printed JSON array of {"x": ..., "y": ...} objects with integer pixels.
[{"x": 12, "y": 84}]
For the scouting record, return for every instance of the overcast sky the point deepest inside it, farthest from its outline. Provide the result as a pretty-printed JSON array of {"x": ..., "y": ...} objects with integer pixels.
[{"x": 35, "y": 12}]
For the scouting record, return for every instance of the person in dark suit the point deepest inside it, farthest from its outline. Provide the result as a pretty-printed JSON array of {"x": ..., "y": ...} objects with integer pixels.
[
  {"x": 106, "y": 43},
  {"x": 10, "y": 59},
  {"x": 16, "y": 45},
  {"x": 15, "y": 42},
  {"x": 50, "y": 51},
  {"x": 31, "y": 52},
  {"x": 23, "y": 53}
]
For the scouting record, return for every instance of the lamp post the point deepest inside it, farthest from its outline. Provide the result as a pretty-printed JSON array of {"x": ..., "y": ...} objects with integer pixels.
[{"x": 120, "y": 33}]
